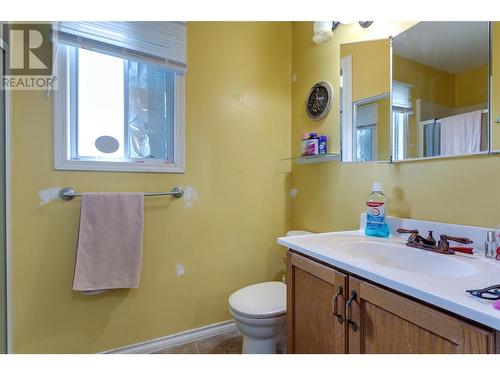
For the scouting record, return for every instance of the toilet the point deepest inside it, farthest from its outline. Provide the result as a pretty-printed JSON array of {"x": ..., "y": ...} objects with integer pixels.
[{"x": 259, "y": 312}]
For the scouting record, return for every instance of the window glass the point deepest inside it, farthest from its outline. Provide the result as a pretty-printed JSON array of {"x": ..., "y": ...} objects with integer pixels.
[
  {"x": 122, "y": 109},
  {"x": 432, "y": 139},
  {"x": 100, "y": 103},
  {"x": 150, "y": 111}
]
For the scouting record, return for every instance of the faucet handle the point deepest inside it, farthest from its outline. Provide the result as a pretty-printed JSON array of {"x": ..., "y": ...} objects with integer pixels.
[
  {"x": 444, "y": 245},
  {"x": 409, "y": 231},
  {"x": 463, "y": 240}
]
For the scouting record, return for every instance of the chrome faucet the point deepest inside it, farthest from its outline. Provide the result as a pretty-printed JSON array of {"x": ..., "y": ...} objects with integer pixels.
[{"x": 443, "y": 246}]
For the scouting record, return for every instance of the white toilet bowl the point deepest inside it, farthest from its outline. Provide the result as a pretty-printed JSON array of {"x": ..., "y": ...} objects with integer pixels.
[{"x": 259, "y": 312}]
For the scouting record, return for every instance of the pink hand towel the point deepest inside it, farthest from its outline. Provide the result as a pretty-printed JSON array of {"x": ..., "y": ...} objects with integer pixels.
[{"x": 109, "y": 250}]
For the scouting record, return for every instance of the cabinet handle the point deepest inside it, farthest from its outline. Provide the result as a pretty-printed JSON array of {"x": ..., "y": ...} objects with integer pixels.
[
  {"x": 335, "y": 307},
  {"x": 348, "y": 314}
]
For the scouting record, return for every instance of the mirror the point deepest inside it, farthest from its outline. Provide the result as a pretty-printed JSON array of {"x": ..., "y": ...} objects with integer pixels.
[
  {"x": 440, "y": 80},
  {"x": 495, "y": 87},
  {"x": 365, "y": 106}
]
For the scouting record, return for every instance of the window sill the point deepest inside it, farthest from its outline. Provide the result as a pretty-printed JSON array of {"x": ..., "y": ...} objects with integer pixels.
[{"x": 111, "y": 166}]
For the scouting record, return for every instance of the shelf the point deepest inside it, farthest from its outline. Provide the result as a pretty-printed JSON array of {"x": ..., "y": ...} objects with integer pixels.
[{"x": 320, "y": 158}]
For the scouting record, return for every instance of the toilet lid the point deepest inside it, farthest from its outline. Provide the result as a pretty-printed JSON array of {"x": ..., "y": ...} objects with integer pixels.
[{"x": 264, "y": 300}]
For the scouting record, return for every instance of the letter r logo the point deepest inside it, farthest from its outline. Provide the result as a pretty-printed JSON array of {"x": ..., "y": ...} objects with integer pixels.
[{"x": 30, "y": 48}]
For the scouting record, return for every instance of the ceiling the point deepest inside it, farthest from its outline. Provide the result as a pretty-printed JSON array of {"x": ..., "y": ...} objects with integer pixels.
[{"x": 453, "y": 47}]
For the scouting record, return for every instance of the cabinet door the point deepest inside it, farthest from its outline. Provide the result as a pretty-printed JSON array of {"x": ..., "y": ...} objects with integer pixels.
[
  {"x": 315, "y": 293},
  {"x": 386, "y": 322}
]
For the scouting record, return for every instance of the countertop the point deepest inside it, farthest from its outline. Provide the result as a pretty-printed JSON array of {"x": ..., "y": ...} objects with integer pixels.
[{"x": 447, "y": 293}]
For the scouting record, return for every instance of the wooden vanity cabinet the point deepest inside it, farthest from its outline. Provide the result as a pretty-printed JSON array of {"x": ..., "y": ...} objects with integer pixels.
[
  {"x": 390, "y": 323},
  {"x": 374, "y": 320},
  {"x": 313, "y": 291}
]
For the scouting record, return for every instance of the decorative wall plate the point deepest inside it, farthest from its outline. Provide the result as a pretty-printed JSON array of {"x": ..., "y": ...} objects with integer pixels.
[{"x": 319, "y": 100}]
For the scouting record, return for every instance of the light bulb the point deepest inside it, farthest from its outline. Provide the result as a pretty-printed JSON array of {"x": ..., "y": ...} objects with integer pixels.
[{"x": 322, "y": 31}]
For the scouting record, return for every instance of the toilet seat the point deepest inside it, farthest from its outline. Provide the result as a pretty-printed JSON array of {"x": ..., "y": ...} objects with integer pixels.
[{"x": 260, "y": 301}]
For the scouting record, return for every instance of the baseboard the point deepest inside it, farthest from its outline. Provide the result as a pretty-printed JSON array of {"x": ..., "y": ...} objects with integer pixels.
[{"x": 177, "y": 339}]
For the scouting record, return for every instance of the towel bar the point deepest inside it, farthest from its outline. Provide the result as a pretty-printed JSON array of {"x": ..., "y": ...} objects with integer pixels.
[{"x": 68, "y": 193}]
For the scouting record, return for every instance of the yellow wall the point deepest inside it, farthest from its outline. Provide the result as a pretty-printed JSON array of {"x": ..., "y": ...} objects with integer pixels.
[
  {"x": 237, "y": 131},
  {"x": 471, "y": 87},
  {"x": 463, "y": 89},
  {"x": 384, "y": 112},
  {"x": 429, "y": 84},
  {"x": 331, "y": 195},
  {"x": 370, "y": 67}
]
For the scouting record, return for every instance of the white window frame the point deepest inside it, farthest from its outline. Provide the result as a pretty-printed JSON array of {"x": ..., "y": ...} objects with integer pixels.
[
  {"x": 347, "y": 153},
  {"x": 406, "y": 108},
  {"x": 63, "y": 107},
  {"x": 395, "y": 133}
]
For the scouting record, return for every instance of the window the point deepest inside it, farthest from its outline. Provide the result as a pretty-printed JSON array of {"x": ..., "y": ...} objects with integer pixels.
[
  {"x": 432, "y": 139},
  {"x": 401, "y": 111},
  {"x": 120, "y": 102},
  {"x": 366, "y": 131},
  {"x": 400, "y": 125}
]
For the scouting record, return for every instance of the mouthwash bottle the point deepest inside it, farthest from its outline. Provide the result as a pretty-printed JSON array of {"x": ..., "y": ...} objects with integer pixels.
[{"x": 376, "y": 210}]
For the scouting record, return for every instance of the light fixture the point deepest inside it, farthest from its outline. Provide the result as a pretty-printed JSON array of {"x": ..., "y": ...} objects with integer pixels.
[
  {"x": 365, "y": 24},
  {"x": 323, "y": 30}
]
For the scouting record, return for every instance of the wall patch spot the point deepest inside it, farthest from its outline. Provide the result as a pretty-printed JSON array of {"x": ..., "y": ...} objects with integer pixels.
[
  {"x": 179, "y": 268},
  {"x": 48, "y": 195},
  {"x": 293, "y": 193},
  {"x": 190, "y": 196},
  {"x": 239, "y": 100}
]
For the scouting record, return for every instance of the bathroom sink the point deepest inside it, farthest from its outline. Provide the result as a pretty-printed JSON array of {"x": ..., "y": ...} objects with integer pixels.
[{"x": 405, "y": 258}]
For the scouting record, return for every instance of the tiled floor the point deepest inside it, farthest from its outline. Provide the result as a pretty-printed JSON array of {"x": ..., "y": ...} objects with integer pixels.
[{"x": 229, "y": 343}]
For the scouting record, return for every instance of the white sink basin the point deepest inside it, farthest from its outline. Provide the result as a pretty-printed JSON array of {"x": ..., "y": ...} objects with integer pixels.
[
  {"x": 405, "y": 258},
  {"x": 438, "y": 279}
]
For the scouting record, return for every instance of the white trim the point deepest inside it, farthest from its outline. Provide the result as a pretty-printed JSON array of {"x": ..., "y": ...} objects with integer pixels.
[
  {"x": 391, "y": 98},
  {"x": 347, "y": 107},
  {"x": 8, "y": 223},
  {"x": 8, "y": 214},
  {"x": 179, "y": 131},
  {"x": 181, "y": 338},
  {"x": 62, "y": 160},
  {"x": 485, "y": 153},
  {"x": 420, "y": 132}
]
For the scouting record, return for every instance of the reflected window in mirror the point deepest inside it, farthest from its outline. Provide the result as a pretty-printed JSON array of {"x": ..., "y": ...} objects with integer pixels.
[
  {"x": 366, "y": 132},
  {"x": 432, "y": 139},
  {"x": 401, "y": 111}
]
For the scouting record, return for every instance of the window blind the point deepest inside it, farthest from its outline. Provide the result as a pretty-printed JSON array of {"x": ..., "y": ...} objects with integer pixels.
[
  {"x": 159, "y": 42},
  {"x": 401, "y": 95},
  {"x": 366, "y": 115}
]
